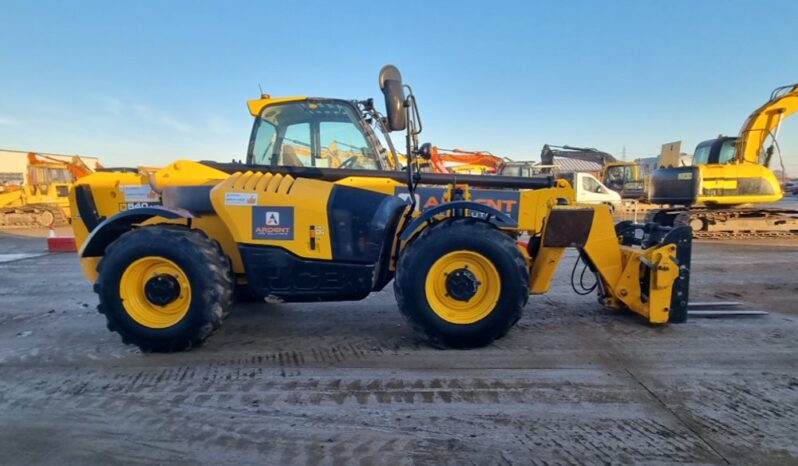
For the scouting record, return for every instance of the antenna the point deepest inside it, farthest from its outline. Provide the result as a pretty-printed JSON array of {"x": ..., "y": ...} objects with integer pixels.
[{"x": 260, "y": 89}]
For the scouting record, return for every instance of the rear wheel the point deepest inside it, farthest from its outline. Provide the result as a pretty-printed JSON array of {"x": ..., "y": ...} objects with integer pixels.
[
  {"x": 164, "y": 287},
  {"x": 462, "y": 283}
]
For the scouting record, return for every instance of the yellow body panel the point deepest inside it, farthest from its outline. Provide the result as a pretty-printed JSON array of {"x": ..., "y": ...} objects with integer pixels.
[
  {"x": 730, "y": 176},
  {"x": 307, "y": 198},
  {"x": 543, "y": 268},
  {"x": 256, "y": 105},
  {"x": 534, "y": 205},
  {"x": 108, "y": 190},
  {"x": 12, "y": 198},
  {"x": 380, "y": 185},
  {"x": 187, "y": 173}
]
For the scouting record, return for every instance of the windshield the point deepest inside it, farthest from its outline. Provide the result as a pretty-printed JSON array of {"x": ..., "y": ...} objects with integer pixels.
[
  {"x": 727, "y": 151},
  {"x": 701, "y": 155},
  {"x": 312, "y": 133},
  {"x": 616, "y": 176},
  {"x": 704, "y": 154}
]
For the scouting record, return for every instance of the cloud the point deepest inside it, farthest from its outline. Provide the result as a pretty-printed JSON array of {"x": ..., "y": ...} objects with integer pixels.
[
  {"x": 161, "y": 118},
  {"x": 116, "y": 106},
  {"x": 219, "y": 126},
  {"x": 112, "y": 105}
]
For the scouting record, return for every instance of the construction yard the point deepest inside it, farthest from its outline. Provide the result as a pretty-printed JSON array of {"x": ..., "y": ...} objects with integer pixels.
[{"x": 339, "y": 383}]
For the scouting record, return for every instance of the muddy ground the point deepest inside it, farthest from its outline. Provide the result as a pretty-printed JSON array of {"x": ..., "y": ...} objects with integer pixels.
[{"x": 349, "y": 383}]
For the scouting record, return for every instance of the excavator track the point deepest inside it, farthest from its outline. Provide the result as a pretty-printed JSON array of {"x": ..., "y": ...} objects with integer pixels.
[
  {"x": 32, "y": 216},
  {"x": 740, "y": 223}
]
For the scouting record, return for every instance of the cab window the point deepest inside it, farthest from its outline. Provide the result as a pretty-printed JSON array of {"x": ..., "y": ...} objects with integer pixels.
[
  {"x": 590, "y": 184},
  {"x": 727, "y": 151},
  {"x": 344, "y": 145},
  {"x": 701, "y": 155},
  {"x": 312, "y": 133},
  {"x": 295, "y": 150}
]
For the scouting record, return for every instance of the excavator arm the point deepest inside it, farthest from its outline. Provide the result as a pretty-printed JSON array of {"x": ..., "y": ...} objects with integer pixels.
[
  {"x": 485, "y": 161},
  {"x": 765, "y": 122}
]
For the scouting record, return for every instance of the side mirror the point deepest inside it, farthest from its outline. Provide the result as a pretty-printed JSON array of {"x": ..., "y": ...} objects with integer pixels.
[
  {"x": 425, "y": 151},
  {"x": 393, "y": 90}
]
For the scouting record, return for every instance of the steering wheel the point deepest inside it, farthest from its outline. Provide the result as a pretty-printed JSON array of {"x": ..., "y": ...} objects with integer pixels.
[{"x": 348, "y": 163}]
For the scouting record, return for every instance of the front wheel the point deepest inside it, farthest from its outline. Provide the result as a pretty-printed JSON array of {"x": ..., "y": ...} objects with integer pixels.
[
  {"x": 164, "y": 287},
  {"x": 462, "y": 283}
]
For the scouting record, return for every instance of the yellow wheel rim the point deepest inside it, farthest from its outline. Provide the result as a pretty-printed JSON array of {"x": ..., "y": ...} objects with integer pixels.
[
  {"x": 133, "y": 289},
  {"x": 457, "y": 309}
]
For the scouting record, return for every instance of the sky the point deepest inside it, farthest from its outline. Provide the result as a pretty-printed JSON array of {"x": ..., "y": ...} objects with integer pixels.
[{"x": 148, "y": 82}]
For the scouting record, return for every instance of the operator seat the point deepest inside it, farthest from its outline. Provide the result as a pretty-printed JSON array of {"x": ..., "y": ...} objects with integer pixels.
[{"x": 289, "y": 157}]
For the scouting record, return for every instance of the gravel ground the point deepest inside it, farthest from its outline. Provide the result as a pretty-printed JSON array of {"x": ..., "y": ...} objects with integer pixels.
[{"x": 347, "y": 383}]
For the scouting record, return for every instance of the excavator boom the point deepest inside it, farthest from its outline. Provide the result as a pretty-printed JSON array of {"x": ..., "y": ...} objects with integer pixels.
[{"x": 764, "y": 122}]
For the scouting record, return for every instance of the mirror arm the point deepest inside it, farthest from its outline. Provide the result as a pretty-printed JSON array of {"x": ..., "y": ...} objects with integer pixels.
[{"x": 411, "y": 156}]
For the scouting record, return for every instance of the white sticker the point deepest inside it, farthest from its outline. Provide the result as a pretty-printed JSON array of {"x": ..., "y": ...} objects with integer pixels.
[
  {"x": 139, "y": 193},
  {"x": 231, "y": 198}
]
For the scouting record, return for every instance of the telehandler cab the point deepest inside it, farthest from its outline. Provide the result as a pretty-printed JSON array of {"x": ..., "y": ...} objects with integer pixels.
[{"x": 321, "y": 211}]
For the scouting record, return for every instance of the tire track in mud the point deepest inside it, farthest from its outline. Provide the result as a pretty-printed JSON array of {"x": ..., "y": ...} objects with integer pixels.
[
  {"x": 314, "y": 353},
  {"x": 743, "y": 412},
  {"x": 327, "y": 418},
  {"x": 267, "y": 387}
]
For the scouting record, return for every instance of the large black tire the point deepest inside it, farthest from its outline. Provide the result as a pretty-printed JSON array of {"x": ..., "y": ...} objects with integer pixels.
[
  {"x": 205, "y": 266},
  {"x": 462, "y": 234}
]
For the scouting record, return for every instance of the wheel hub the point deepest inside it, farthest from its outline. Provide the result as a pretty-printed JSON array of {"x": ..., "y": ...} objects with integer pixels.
[
  {"x": 462, "y": 284},
  {"x": 162, "y": 289}
]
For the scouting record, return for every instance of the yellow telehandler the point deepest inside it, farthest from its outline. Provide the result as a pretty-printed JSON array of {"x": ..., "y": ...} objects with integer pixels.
[{"x": 300, "y": 221}]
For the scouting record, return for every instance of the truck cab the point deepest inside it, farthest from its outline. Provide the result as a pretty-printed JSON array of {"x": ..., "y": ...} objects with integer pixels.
[{"x": 589, "y": 190}]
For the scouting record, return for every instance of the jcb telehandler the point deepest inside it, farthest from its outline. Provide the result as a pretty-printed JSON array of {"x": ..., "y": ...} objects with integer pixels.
[{"x": 315, "y": 214}]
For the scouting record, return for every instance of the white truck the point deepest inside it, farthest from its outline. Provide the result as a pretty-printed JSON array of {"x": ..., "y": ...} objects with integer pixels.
[{"x": 589, "y": 190}]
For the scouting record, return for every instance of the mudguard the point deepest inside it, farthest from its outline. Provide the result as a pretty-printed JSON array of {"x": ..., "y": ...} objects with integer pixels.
[
  {"x": 111, "y": 228},
  {"x": 491, "y": 214}
]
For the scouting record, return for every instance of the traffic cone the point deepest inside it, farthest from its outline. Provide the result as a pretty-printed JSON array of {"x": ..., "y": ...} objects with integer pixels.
[{"x": 57, "y": 243}]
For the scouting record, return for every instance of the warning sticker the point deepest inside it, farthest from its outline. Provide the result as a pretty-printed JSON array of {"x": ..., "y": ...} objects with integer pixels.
[
  {"x": 273, "y": 222},
  {"x": 139, "y": 193},
  {"x": 231, "y": 198}
]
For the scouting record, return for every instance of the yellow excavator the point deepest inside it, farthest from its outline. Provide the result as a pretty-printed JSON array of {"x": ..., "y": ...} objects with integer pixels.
[
  {"x": 42, "y": 199},
  {"x": 718, "y": 195}
]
